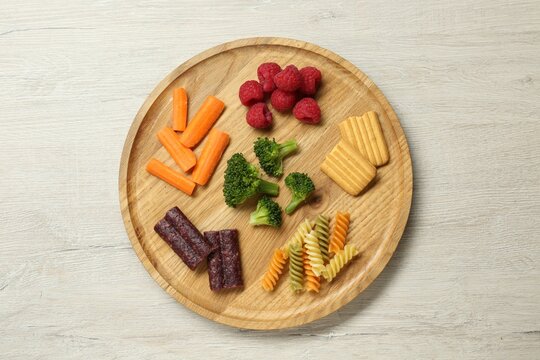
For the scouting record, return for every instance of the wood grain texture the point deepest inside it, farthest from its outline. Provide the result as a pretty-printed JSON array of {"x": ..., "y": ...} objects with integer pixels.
[
  {"x": 379, "y": 214},
  {"x": 462, "y": 76}
]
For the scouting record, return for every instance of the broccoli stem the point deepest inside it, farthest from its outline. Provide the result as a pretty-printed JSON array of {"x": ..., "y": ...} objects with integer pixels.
[
  {"x": 287, "y": 148},
  {"x": 259, "y": 218},
  {"x": 293, "y": 205},
  {"x": 269, "y": 188}
]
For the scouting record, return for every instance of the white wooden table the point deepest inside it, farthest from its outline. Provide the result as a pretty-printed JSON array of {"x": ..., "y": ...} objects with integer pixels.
[{"x": 463, "y": 77}]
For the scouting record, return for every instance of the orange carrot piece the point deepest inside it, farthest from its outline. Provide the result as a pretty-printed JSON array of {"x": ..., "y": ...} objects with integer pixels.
[
  {"x": 184, "y": 157},
  {"x": 203, "y": 120},
  {"x": 211, "y": 154},
  {"x": 179, "y": 110},
  {"x": 174, "y": 178}
]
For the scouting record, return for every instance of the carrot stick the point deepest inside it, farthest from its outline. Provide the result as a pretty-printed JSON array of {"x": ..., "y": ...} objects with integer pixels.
[
  {"x": 174, "y": 178},
  {"x": 211, "y": 154},
  {"x": 184, "y": 157},
  {"x": 179, "y": 110},
  {"x": 203, "y": 120}
]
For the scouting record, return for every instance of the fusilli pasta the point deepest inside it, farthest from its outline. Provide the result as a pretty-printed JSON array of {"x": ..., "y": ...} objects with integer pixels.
[
  {"x": 314, "y": 253},
  {"x": 339, "y": 235},
  {"x": 312, "y": 282},
  {"x": 296, "y": 266},
  {"x": 301, "y": 231},
  {"x": 322, "y": 231},
  {"x": 275, "y": 268},
  {"x": 342, "y": 258}
]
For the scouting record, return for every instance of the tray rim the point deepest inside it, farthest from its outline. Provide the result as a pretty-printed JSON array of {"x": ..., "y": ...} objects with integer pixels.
[{"x": 397, "y": 232}]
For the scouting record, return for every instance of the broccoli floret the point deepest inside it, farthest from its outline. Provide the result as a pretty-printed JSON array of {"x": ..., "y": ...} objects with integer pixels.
[
  {"x": 271, "y": 154},
  {"x": 301, "y": 187},
  {"x": 268, "y": 212},
  {"x": 242, "y": 182}
]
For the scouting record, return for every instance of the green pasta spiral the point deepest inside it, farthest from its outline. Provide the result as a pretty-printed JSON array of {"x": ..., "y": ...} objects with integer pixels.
[
  {"x": 322, "y": 231},
  {"x": 338, "y": 262},
  {"x": 296, "y": 266}
]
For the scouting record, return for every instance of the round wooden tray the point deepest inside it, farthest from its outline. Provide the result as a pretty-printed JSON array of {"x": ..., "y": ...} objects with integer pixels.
[{"x": 378, "y": 215}]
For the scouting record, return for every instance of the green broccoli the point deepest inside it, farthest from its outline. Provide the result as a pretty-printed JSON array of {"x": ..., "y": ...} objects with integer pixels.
[
  {"x": 271, "y": 154},
  {"x": 242, "y": 182},
  {"x": 268, "y": 212},
  {"x": 301, "y": 187}
]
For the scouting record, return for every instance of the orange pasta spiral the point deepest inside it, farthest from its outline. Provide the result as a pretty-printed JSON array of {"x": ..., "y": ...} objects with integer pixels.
[
  {"x": 275, "y": 268},
  {"x": 311, "y": 281},
  {"x": 339, "y": 235}
]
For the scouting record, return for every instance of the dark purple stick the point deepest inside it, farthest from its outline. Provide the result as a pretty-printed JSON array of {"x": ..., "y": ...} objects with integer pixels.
[
  {"x": 189, "y": 232},
  {"x": 181, "y": 247},
  {"x": 230, "y": 257},
  {"x": 215, "y": 272},
  {"x": 224, "y": 266}
]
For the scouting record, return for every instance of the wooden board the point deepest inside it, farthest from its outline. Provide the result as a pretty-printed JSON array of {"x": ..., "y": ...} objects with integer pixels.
[{"x": 378, "y": 215}]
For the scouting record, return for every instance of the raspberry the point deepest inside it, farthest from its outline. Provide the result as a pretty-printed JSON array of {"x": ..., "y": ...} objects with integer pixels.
[
  {"x": 282, "y": 100},
  {"x": 307, "y": 110},
  {"x": 288, "y": 79},
  {"x": 311, "y": 78},
  {"x": 250, "y": 92},
  {"x": 266, "y": 73},
  {"x": 258, "y": 116}
]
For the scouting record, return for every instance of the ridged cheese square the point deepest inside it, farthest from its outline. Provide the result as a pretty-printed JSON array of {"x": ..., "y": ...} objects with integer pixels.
[
  {"x": 365, "y": 134},
  {"x": 348, "y": 168}
]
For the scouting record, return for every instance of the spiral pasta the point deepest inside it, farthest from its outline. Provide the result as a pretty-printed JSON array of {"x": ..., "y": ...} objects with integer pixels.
[
  {"x": 339, "y": 235},
  {"x": 296, "y": 266},
  {"x": 314, "y": 253},
  {"x": 301, "y": 231},
  {"x": 312, "y": 282},
  {"x": 342, "y": 258},
  {"x": 322, "y": 231},
  {"x": 275, "y": 268}
]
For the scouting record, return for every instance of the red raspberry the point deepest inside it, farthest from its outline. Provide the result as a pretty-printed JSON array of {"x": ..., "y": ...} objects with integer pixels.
[
  {"x": 282, "y": 100},
  {"x": 258, "y": 116},
  {"x": 307, "y": 110},
  {"x": 266, "y": 73},
  {"x": 311, "y": 78},
  {"x": 288, "y": 79},
  {"x": 250, "y": 92}
]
